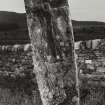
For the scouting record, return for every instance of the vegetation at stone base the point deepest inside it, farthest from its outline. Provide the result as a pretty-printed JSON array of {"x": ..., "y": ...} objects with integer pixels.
[
  {"x": 18, "y": 82},
  {"x": 7, "y": 97},
  {"x": 92, "y": 94},
  {"x": 19, "y": 89}
]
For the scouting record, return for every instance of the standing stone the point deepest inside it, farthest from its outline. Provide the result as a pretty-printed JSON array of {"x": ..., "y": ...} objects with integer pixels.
[{"x": 51, "y": 35}]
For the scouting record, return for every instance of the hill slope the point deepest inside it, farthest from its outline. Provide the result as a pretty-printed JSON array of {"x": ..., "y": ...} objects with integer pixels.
[
  {"x": 16, "y": 22},
  {"x": 11, "y": 19}
]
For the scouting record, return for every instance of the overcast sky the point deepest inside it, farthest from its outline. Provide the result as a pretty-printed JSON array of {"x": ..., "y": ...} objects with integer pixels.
[
  {"x": 12, "y": 5},
  {"x": 80, "y": 9},
  {"x": 88, "y": 9}
]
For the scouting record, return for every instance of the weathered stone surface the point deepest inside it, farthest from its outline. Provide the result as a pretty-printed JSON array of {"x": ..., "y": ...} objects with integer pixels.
[{"x": 52, "y": 38}]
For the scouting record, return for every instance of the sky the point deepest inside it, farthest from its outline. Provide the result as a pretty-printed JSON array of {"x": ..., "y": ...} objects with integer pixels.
[
  {"x": 12, "y": 5},
  {"x": 88, "y": 10},
  {"x": 80, "y": 9}
]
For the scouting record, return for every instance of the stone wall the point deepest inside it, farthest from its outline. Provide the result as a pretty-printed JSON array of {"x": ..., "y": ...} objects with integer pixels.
[
  {"x": 92, "y": 61},
  {"x": 17, "y": 81}
]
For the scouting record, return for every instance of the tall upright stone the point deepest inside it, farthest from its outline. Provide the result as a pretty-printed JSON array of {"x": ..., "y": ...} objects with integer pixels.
[{"x": 51, "y": 34}]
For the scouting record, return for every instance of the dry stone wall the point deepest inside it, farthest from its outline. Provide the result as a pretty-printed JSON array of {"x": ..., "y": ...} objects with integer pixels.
[{"x": 17, "y": 80}]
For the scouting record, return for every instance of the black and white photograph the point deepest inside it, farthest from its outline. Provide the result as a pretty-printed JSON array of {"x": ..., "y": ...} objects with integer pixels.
[{"x": 52, "y": 52}]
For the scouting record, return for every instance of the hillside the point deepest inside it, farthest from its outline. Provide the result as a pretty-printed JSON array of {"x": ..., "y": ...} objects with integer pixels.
[
  {"x": 11, "y": 19},
  {"x": 13, "y": 29}
]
